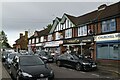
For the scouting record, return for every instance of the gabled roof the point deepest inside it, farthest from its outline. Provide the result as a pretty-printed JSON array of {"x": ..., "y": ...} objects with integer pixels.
[
  {"x": 42, "y": 32},
  {"x": 73, "y": 19},
  {"x": 54, "y": 25}
]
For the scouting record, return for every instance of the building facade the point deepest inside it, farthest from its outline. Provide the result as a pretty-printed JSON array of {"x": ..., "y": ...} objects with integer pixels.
[{"x": 95, "y": 34}]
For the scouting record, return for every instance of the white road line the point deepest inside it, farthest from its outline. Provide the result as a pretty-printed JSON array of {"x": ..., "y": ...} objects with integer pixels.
[
  {"x": 83, "y": 72},
  {"x": 107, "y": 77},
  {"x": 96, "y": 75},
  {"x": 71, "y": 69}
]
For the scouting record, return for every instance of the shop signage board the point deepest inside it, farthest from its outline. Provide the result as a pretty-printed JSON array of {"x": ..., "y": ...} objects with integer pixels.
[{"x": 108, "y": 37}]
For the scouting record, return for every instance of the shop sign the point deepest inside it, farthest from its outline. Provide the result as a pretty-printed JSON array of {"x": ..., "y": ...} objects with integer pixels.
[
  {"x": 53, "y": 43},
  {"x": 108, "y": 37},
  {"x": 40, "y": 44},
  {"x": 72, "y": 41}
]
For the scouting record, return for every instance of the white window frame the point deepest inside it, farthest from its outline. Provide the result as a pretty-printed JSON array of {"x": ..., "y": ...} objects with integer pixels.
[
  {"x": 50, "y": 37},
  {"x": 37, "y": 40},
  {"x": 33, "y": 40},
  {"x": 42, "y": 39},
  {"x": 82, "y": 30},
  {"x": 68, "y": 33},
  {"x": 30, "y": 41}
]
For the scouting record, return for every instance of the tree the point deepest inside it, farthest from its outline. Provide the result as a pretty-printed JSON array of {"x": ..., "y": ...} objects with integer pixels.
[{"x": 4, "y": 40}]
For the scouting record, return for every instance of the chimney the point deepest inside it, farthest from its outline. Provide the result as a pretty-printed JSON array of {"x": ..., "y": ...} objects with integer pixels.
[
  {"x": 102, "y": 7},
  {"x": 21, "y": 35},
  {"x": 26, "y": 33}
]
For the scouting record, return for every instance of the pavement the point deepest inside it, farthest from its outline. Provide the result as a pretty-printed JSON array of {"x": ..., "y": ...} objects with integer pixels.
[{"x": 114, "y": 70}]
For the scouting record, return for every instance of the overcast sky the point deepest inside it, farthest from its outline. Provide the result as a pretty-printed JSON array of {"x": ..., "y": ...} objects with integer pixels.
[{"x": 20, "y": 16}]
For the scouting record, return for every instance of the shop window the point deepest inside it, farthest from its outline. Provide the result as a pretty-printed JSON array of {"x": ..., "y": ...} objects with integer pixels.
[
  {"x": 108, "y": 51},
  {"x": 102, "y": 51}
]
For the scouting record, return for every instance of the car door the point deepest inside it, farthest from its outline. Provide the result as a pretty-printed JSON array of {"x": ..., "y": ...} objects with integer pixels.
[
  {"x": 63, "y": 59},
  {"x": 71, "y": 61},
  {"x": 14, "y": 67}
]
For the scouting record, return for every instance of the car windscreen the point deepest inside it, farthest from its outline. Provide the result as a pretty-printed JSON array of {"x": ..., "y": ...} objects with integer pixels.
[
  {"x": 11, "y": 56},
  {"x": 30, "y": 61},
  {"x": 43, "y": 53}
]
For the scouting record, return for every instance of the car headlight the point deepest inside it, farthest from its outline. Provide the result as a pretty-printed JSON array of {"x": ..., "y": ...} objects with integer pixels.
[
  {"x": 3, "y": 56},
  {"x": 51, "y": 72},
  {"x": 44, "y": 57},
  {"x": 26, "y": 74},
  {"x": 86, "y": 63}
]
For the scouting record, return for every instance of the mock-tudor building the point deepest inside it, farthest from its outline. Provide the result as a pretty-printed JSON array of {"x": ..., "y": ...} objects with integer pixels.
[
  {"x": 38, "y": 39},
  {"x": 96, "y": 34}
]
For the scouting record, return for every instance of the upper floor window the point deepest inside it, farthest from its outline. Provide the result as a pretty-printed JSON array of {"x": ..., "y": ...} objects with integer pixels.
[
  {"x": 37, "y": 40},
  {"x": 109, "y": 25},
  {"x": 29, "y": 41},
  {"x": 50, "y": 37},
  {"x": 33, "y": 40},
  {"x": 68, "y": 33},
  {"x": 82, "y": 31},
  {"x": 58, "y": 35},
  {"x": 42, "y": 39}
]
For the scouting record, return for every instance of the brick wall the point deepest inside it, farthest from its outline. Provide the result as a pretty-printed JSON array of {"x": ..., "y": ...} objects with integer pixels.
[{"x": 118, "y": 24}]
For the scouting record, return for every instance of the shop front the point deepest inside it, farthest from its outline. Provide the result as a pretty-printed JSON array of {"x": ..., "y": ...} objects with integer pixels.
[
  {"x": 31, "y": 47},
  {"x": 53, "y": 46},
  {"x": 39, "y": 46},
  {"x": 80, "y": 45},
  {"x": 108, "y": 47}
]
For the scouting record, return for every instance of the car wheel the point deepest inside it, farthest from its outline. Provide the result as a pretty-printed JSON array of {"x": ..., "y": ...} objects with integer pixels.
[
  {"x": 78, "y": 67},
  {"x": 58, "y": 63}
]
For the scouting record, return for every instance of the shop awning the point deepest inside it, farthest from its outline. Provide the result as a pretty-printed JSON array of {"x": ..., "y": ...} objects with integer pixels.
[
  {"x": 51, "y": 45},
  {"x": 74, "y": 44}
]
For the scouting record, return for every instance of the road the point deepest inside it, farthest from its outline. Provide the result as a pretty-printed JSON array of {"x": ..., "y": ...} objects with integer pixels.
[{"x": 62, "y": 73}]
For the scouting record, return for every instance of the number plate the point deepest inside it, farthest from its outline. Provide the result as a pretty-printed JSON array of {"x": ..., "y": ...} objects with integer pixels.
[
  {"x": 43, "y": 79},
  {"x": 93, "y": 65},
  {"x": 50, "y": 60}
]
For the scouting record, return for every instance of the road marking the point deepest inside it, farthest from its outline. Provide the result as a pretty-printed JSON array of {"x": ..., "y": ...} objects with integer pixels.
[
  {"x": 96, "y": 75},
  {"x": 83, "y": 72},
  {"x": 71, "y": 69},
  {"x": 107, "y": 77}
]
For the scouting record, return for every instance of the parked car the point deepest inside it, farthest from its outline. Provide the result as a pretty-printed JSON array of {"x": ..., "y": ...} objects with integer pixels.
[
  {"x": 46, "y": 56},
  {"x": 9, "y": 59},
  {"x": 4, "y": 56},
  {"x": 30, "y": 67},
  {"x": 72, "y": 60}
]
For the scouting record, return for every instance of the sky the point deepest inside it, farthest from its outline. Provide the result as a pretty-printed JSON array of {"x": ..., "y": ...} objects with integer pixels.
[{"x": 18, "y": 17}]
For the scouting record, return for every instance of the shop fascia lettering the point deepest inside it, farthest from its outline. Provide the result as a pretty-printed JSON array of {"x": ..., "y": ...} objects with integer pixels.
[
  {"x": 115, "y": 36},
  {"x": 73, "y": 41},
  {"x": 53, "y": 43}
]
